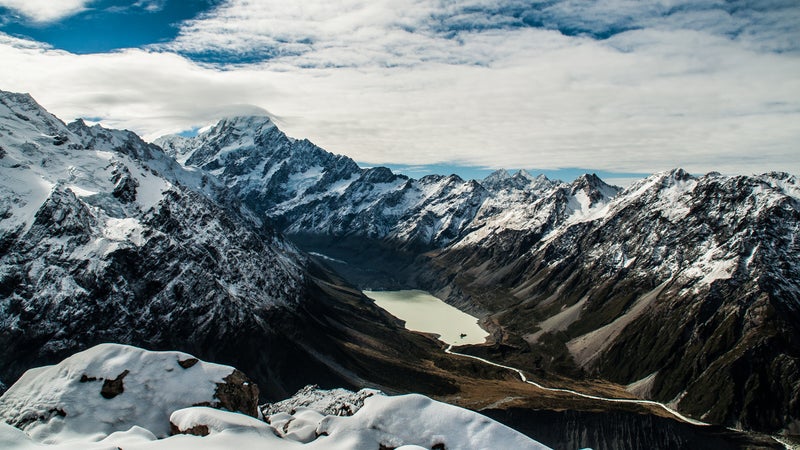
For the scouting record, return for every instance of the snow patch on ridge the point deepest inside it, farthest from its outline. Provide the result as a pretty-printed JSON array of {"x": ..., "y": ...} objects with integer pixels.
[{"x": 127, "y": 229}]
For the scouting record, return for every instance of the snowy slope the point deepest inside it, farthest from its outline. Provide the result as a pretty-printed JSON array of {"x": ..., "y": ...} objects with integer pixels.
[{"x": 61, "y": 406}]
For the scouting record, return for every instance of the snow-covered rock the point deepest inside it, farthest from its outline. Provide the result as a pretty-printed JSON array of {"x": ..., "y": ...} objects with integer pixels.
[
  {"x": 417, "y": 420},
  {"x": 112, "y": 387},
  {"x": 204, "y": 421},
  {"x": 333, "y": 402}
]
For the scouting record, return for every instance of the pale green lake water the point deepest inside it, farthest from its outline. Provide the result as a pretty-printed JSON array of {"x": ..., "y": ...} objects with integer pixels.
[{"x": 423, "y": 312}]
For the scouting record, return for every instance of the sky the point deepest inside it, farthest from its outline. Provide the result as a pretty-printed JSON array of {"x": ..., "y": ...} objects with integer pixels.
[{"x": 623, "y": 88}]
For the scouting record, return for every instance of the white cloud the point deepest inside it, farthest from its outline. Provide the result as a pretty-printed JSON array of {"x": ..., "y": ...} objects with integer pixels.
[
  {"x": 46, "y": 10},
  {"x": 377, "y": 81},
  {"x": 150, "y": 5}
]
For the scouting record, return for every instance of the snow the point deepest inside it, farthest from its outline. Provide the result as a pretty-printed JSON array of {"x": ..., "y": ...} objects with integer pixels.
[
  {"x": 150, "y": 190},
  {"x": 418, "y": 420},
  {"x": 127, "y": 229},
  {"x": 327, "y": 258},
  {"x": 410, "y": 421},
  {"x": 215, "y": 420},
  {"x": 154, "y": 387},
  {"x": 714, "y": 264},
  {"x": 81, "y": 192},
  {"x": 23, "y": 194}
]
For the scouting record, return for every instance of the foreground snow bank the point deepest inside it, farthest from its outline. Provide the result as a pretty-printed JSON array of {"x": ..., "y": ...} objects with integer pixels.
[
  {"x": 155, "y": 394},
  {"x": 113, "y": 387}
]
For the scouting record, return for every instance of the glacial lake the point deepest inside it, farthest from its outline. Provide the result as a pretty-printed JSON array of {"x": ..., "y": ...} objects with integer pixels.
[{"x": 423, "y": 312}]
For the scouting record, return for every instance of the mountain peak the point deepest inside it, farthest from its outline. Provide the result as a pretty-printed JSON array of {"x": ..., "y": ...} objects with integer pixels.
[
  {"x": 238, "y": 126},
  {"x": 594, "y": 187},
  {"x": 497, "y": 176},
  {"x": 20, "y": 98},
  {"x": 680, "y": 174},
  {"x": 588, "y": 181},
  {"x": 522, "y": 173}
]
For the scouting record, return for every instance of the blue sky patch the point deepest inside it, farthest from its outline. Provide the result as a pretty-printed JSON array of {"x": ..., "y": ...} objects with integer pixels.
[
  {"x": 479, "y": 173},
  {"x": 109, "y": 25}
]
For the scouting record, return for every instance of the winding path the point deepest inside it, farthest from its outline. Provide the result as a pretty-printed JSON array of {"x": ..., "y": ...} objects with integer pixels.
[{"x": 522, "y": 376}]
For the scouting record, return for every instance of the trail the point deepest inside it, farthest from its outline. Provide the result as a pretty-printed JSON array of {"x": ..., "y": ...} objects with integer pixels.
[
  {"x": 522, "y": 376},
  {"x": 676, "y": 414}
]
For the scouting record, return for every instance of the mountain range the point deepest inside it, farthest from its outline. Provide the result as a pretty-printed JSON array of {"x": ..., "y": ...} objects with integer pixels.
[
  {"x": 685, "y": 288},
  {"x": 247, "y": 247}
]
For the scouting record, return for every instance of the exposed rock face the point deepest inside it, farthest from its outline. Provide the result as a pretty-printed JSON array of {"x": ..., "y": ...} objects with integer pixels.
[
  {"x": 237, "y": 393},
  {"x": 112, "y": 388},
  {"x": 197, "y": 430}
]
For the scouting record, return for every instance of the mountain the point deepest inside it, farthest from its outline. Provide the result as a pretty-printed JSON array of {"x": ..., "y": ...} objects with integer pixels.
[
  {"x": 683, "y": 288},
  {"x": 105, "y": 238},
  {"x": 114, "y": 396},
  {"x": 686, "y": 289},
  {"x": 382, "y": 221}
]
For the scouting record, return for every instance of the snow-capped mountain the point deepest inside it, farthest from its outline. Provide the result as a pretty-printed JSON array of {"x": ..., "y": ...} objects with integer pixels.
[
  {"x": 382, "y": 221},
  {"x": 114, "y": 396},
  {"x": 105, "y": 238},
  {"x": 303, "y": 188},
  {"x": 684, "y": 288}
]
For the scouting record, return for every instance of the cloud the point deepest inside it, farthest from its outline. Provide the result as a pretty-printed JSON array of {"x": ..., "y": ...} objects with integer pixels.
[
  {"x": 349, "y": 33},
  {"x": 150, "y": 5},
  {"x": 43, "y": 11},
  {"x": 409, "y": 82}
]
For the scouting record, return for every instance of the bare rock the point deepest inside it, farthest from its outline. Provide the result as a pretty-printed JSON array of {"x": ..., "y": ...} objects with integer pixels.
[
  {"x": 197, "y": 430},
  {"x": 112, "y": 388},
  {"x": 238, "y": 393}
]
